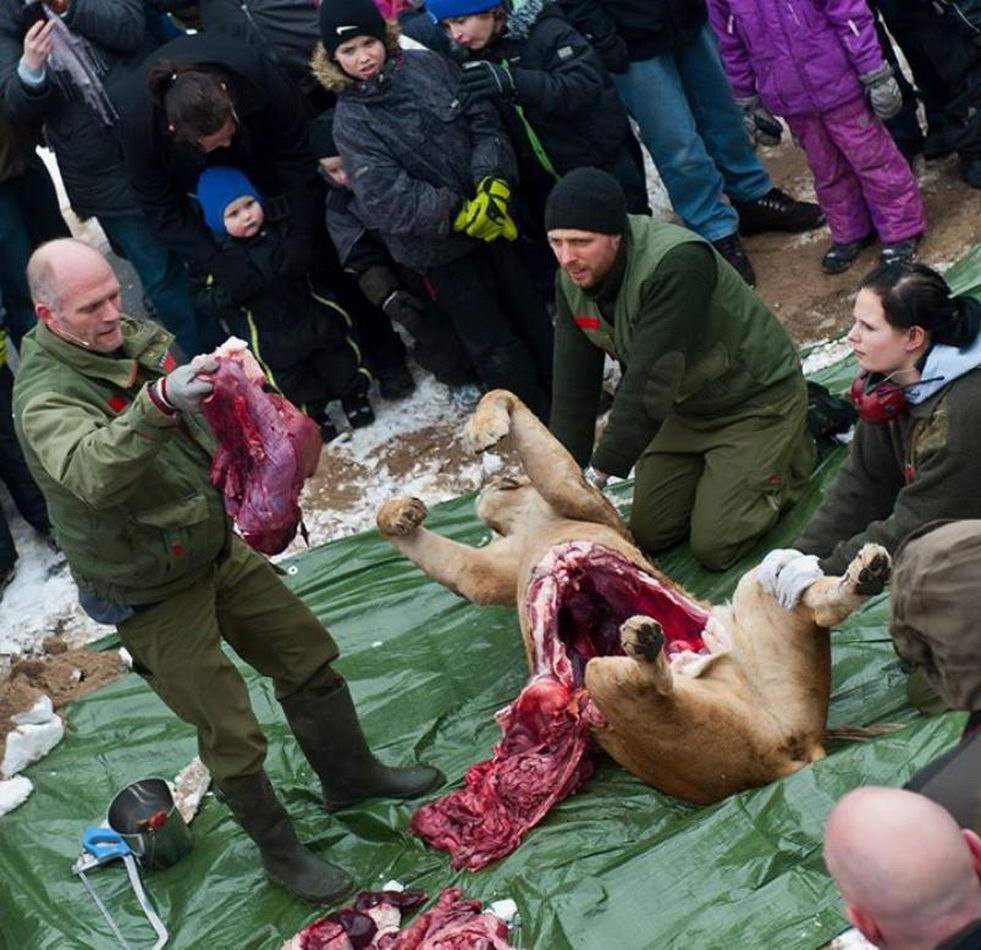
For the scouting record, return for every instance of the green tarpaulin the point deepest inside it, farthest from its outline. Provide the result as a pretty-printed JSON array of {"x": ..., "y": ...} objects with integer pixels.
[{"x": 618, "y": 865}]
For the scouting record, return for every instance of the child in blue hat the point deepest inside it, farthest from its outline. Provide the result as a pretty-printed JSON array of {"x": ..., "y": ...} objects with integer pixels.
[{"x": 299, "y": 333}]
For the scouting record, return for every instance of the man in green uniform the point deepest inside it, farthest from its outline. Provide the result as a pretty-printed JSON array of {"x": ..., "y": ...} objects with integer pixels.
[
  {"x": 111, "y": 431},
  {"x": 711, "y": 410}
]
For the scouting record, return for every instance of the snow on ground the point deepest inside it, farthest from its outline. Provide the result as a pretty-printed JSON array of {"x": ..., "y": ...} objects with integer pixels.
[{"x": 371, "y": 479}]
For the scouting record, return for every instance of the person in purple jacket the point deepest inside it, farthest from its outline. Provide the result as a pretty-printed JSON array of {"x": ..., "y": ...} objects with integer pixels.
[{"x": 818, "y": 64}]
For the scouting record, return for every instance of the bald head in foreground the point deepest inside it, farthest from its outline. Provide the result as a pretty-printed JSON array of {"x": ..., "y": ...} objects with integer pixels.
[
  {"x": 908, "y": 875},
  {"x": 76, "y": 294}
]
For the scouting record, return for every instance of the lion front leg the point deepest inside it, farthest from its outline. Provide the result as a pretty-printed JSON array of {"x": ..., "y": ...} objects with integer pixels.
[
  {"x": 832, "y": 599},
  {"x": 483, "y": 576},
  {"x": 642, "y": 669}
]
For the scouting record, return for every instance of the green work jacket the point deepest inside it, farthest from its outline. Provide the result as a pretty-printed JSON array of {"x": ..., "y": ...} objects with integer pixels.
[
  {"x": 694, "y": 341},
  {"x": 127, "y": 486}
]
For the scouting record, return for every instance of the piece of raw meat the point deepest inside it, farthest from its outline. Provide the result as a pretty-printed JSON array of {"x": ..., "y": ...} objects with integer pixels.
[
  {"x": 454, "y": 922},
  {"x": 267, "y": 448}
]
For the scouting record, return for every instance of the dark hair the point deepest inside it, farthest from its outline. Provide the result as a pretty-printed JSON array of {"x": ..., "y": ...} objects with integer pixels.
[
  {"x": 196, "y": 100},
  {"x": 914, "y": 295}
]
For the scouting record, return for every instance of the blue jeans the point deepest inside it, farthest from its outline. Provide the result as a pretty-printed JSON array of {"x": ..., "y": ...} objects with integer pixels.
[
  {"x": 163, "y": 276},
  {"x": 691, "y": 126}
]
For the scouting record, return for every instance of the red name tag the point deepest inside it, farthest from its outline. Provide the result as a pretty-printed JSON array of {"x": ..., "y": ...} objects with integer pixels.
[{"x": 587, "y": 323}]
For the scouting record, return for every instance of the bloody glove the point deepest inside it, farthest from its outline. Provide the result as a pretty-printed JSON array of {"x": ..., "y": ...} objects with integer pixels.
[
  {"x": 184, "y": 388},
  {"x": 485, "y": 80}
]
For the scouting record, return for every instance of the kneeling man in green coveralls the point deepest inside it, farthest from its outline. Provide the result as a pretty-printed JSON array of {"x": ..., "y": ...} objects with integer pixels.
[
  {"x": 111, "y": 430},
  {"x": 712, "y": 406}
]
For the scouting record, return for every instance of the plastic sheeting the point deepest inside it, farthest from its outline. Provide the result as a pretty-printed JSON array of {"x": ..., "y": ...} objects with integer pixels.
[{"x": 617, "y": 865}]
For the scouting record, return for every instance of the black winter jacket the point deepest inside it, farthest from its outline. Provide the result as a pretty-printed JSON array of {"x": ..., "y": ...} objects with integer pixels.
[
  {"x": 90, "y": 157},
  {"x": 285, "y": 30},
  {"x": 271, "y": 146},
  {"x": 414, "y": 151},
  {"x": 287, "y": 320},
  {"x": 648, "y": 27},
  {"x": 565, "y": 93}
]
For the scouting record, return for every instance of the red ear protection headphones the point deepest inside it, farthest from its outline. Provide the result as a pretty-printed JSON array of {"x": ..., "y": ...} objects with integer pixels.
[{"x": 877, "y": 398}]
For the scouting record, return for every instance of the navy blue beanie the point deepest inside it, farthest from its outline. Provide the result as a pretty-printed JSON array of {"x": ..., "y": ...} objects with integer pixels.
[
  {"x": 441, "y": 10},
  {"x": 218, "y": 187}
]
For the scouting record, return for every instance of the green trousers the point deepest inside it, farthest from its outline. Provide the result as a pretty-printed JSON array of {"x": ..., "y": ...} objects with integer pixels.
[
  {"x": 722, "y": 482},
  {"x": 176, "y": 647}
]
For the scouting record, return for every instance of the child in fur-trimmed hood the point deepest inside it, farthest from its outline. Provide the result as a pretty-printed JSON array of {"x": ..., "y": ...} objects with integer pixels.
[{"x": 433, "y": 174}]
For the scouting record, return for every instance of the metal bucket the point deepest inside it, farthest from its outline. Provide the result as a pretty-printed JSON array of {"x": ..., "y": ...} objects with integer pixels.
[{"x": 145, "y": 815}]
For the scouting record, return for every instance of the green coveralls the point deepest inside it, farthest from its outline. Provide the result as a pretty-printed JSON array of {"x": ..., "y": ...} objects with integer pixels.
[
  {"x": 712, "y": 405},
  {"x": 145, "y": 532}
]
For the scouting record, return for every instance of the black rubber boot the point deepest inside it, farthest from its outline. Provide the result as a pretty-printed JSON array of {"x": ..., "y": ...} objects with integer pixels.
[
  {"x": 287, "y": 863},
  {"x": 327, "y": 729}
]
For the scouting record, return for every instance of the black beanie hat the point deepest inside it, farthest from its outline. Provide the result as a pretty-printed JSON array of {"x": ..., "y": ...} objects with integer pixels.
[
  {"x": 322, "y": 142},
  {"x": 587, "y": 199},
  {"x": 342, "y": 20}
]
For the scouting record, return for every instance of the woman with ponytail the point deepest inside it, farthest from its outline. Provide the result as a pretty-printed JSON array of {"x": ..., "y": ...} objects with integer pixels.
[
  {"x": 916, "y": 455},
  {"x": 207, "y": 100}
]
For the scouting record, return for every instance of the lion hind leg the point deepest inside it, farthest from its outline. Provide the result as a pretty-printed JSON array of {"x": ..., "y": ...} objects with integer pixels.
[
  {"x": 832, "y": 599},
  {"x": 547, "y": 463}
]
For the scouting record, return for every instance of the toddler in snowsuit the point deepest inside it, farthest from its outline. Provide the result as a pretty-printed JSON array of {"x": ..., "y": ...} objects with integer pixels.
[
  {"x": 397, "y": 292},
  {"x": 298, "y": 333},
  {"x": 818, "y": 63},
  {"x": 432, "y": 173}
]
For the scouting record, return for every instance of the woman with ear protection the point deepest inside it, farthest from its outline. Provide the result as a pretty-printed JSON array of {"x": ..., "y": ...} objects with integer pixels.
[{"x": 916, "y": 455}]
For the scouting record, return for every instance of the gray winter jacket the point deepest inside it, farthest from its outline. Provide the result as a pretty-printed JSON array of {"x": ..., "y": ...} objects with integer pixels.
[
  {"x": 414, "y": 151},
  {"x": 89, "y": 155}
]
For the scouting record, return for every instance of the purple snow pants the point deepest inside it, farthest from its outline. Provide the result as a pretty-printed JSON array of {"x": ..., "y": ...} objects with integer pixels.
[{"x": 862, "y": 181}]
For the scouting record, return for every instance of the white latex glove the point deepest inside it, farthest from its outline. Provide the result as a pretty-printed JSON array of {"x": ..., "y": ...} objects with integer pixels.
[{"x": 786, "y": 574}]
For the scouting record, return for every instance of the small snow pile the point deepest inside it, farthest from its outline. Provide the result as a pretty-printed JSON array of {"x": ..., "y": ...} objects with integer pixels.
[
  {"x": 37, "y": 732},
  {"x": 14, "y": 792}
]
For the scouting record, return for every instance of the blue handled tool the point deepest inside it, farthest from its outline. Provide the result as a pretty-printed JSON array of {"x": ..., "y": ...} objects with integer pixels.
[{"x": 100, "y": 846}]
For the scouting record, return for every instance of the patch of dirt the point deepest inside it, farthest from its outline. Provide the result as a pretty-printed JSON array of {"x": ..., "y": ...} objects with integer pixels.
[
  {"x": 814, "y": 305},
  {"x": 61, "y": 673}
]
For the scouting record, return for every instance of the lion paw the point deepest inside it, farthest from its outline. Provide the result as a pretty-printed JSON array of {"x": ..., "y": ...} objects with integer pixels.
[
  {"x": 642, "y": 638},
  {"x": 869, "y": 571},
  {"x": 488, "y": 425},
  {"x": 400, "y": 516}
]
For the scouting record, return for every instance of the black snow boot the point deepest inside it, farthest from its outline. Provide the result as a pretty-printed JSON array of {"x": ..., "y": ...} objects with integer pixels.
[
  {"x": 777, "y": 211},
  {"x": 326, "y": 727},
  {"x": 287, "y": 863}
]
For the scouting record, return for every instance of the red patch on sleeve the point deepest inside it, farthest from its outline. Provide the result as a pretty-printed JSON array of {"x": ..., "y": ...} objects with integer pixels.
[
  {"x": 117, "y": 403},
  {"x": 587, "y": 323},
  {"x": 909, "y": 473},
  {"x": 168, "y": 362},
  {"x": 177, "y": 550}
]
